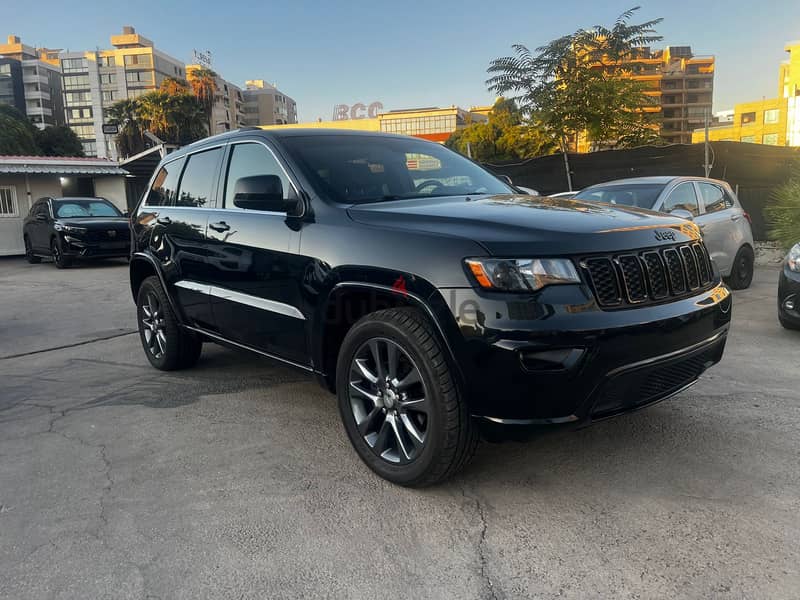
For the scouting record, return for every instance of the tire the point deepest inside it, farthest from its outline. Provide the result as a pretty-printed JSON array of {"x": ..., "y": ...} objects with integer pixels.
[
  {"x": 742, "y": 271},
  {"x": 29, "y": 255},
  {"x": 59, "y": 260},
  {"x": 167, "y": 346},
  {"x": 445, "y": 434}
]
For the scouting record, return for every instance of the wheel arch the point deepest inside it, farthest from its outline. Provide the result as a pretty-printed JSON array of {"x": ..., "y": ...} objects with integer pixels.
[
  {"x": 349, "y": 301},
  {"x": 143, "y": 266}
]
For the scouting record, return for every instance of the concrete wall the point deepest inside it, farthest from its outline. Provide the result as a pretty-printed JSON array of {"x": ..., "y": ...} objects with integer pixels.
[{"x": 112, "y": 189}]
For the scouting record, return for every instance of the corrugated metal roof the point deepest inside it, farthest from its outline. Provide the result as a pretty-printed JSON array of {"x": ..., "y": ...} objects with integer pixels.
[
  {"x": 59, "y": 165},
  {"x": 74, "y": 169}
]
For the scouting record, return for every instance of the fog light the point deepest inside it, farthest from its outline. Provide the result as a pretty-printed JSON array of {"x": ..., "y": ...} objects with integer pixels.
[{"x": 789, "y": 304}]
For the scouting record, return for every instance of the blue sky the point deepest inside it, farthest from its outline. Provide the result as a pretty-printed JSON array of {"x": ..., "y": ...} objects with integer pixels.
[{"x": 412, "y": 53}]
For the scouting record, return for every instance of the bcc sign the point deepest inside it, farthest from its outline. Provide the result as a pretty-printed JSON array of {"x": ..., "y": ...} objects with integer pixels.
[{"x": 343, "y": 112}]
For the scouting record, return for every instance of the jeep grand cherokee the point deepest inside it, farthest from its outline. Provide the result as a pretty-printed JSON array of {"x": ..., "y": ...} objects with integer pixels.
[{"x": 421, "y": 289}]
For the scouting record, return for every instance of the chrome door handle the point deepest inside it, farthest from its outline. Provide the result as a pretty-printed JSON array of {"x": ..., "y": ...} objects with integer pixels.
[
  {"x": 163, "y": 220},
  {"x": 221, "y": 226},
  {"x": 735, "y": 217}
]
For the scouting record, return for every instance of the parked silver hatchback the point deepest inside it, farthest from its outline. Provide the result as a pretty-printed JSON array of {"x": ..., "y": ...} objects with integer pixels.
[{"x": 710, "y": 203}]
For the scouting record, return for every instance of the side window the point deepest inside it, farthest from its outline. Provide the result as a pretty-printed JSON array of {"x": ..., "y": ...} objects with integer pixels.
[
  {"x": 714, "y": 198},
  {"x": 199, "y": 177},
  {"x": 248, "y": 160},
  {"x": 682, "y": 197},
  {"x": 165, "y": 184}
]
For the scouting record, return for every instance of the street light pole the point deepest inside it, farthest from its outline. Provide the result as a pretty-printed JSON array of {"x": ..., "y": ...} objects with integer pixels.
[{"x": 706, "y": 166}]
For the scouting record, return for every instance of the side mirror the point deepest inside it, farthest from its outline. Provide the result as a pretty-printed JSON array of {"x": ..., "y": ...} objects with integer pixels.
[
  {"x": 261, "y": 192},
  {"x": 126, "y": 214},
  {"x": 682, "y": 213},
  {"x": 506, "y": 179}
]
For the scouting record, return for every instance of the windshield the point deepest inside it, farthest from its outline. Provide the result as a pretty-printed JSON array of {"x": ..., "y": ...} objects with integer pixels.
[
  {"x": 76, "y": 209},
  {"x": 643, "y": 195},
  {"x": 359, "y": 169}
]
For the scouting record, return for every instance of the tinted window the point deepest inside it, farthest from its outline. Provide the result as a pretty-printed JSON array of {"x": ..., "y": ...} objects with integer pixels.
[
  {"x": 714, "y": 198},
  {"x": 165, "y": 184},
  {"x": 364, "y": 168},
  {"x": 198, "y": 179},
  {"x": 248, "y": 160},
  {"x": 682, "y": 197},
  {"x": 628, "y": 194},
  {"x": 76, "y": 209}
]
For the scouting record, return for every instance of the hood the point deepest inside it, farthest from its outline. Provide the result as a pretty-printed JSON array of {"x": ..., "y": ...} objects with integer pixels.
[
  {"x": 91, "y": 223},
  {"x": 508, "y": 225}
]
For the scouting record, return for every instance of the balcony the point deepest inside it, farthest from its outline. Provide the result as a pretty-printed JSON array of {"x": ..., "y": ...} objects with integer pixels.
[{"x": 39, "y": 78}]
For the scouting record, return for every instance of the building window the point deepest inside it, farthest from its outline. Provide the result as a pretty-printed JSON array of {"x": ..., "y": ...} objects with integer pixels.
[
  {"x": 74, "y": 65},
  {"x": 8, "y": 202},
  {"x": 72, "y": 82},
  {"x": 770, "y": 139},
  {"x": 90, "y": 148},
  {"x": 139, "y": 60},
  {"x": 107, "y": 61},
  {"x": 748, "y": 139},
  {"x": 73, "y": 98},
  {"x": 771, "y": 116},
  {"x": 139, "y": 77},
  {"x": 108, "y": 97},
  {"x": 108, "y": 78},
  {"x": 748, "y": 117}
]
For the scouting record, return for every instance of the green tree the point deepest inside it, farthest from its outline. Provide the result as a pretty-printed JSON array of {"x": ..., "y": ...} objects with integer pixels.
[
  {"x": 58, "y": 140},
  {"x": 173, "y": 85},
  {"x": 17, "y": 134},
  {"x": 204, "y": 85},
  {"x": 504, "y": 137},
  {"x": 130, "y": 138},
  {"x": 579, "y": 83},
  {"x": 783, "y": 214}
]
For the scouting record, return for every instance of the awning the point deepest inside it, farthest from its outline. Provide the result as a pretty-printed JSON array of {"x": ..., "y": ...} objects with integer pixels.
[{"x": 33, "y": 169}]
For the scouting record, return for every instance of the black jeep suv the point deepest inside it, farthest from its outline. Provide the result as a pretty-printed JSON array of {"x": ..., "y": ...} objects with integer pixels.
[{"x": 421, "y": 289}]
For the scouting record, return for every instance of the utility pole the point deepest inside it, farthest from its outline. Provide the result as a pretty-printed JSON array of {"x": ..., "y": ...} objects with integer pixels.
[{"x": 706, "y": 166}]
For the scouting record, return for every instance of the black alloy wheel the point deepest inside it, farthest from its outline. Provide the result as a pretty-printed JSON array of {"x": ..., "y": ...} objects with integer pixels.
[
  {"x": 399, "y": 401},
  {"x": 166, "y": 345}
]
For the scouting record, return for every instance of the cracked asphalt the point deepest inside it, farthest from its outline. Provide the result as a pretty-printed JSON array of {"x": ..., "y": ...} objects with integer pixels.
[{"x": 235, "y": 479}]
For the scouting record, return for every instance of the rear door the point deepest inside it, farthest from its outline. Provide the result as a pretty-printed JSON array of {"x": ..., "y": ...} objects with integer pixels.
[
  {"x": 40, "y": 226},
  {"x": 718, "y": 224},
  {"x": 176, "y": 210},
  {"x": 255, "y": 271}
]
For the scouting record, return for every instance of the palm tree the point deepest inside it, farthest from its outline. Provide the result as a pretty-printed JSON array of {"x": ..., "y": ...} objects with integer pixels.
[
  {"x": 125, "y": 114},
  {"x": 173, "y": 85},
  {"x": 204, "y": 86}
]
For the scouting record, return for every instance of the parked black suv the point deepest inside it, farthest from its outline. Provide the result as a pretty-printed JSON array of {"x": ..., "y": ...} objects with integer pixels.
[
  {"x": 419, "y": 288},
  {"x": 69, "y": 228}
]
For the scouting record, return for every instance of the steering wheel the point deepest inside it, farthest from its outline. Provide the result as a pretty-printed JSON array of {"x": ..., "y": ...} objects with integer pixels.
[{"x": 428, "y": 183}]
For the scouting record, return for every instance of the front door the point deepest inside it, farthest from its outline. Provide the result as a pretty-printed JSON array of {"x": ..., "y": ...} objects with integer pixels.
[{"x": 255, "y": 272}]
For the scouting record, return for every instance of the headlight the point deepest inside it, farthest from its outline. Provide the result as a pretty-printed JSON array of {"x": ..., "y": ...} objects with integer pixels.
[
  {"x": 69, "y": 228},
  {"x": 794, "y": 258},
  {"x": 522, "y": 274}
]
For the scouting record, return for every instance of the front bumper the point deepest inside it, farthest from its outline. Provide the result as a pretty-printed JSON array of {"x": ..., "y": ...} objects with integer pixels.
[
  {"x": 789, "y": 295},
  {"x": 76, "y": 247},
  {"x": 556, "y": 357}
]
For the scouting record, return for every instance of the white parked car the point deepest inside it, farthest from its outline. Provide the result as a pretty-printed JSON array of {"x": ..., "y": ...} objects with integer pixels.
[{"x": 710, "y": 203}]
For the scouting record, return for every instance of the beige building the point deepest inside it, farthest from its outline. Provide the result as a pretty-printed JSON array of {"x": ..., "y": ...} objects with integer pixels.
[
  {"x": 96, "y": 79},
  {"x": 769, "y": 121},
  {"x": 264, "y": 104},
  {"x": 25, "y": 179},
  {"x": 228, "y": 110},
  {"x": 33, "y": 72}
]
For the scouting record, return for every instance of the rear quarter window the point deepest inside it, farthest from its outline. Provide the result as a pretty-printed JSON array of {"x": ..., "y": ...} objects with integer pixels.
[{"x": 165, "y": 185}]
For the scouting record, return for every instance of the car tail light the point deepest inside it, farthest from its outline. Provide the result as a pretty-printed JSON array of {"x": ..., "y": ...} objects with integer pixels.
[{"x": 749, "y": 218}]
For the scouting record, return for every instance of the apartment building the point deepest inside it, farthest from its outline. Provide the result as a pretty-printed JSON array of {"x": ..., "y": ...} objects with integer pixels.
[
  {"x": 264, "y": 104},
  {"x": 96, "y": 79},
  {"x": 30, "y": 80},
  {"x": 770, "y": 121},
  {"x": 680, "y": 84},
  {"x": 229, "y": 103}
]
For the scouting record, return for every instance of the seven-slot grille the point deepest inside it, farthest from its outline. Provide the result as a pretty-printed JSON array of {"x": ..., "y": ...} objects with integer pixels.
[{"x": 653, "y": 275}]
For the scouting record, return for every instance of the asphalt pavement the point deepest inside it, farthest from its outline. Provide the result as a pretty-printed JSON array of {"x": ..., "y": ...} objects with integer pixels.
[{"x": 235, "y": 479}]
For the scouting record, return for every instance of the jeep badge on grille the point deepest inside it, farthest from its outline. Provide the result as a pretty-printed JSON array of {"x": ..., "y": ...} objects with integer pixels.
[{"x": 664, "y": 235}]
